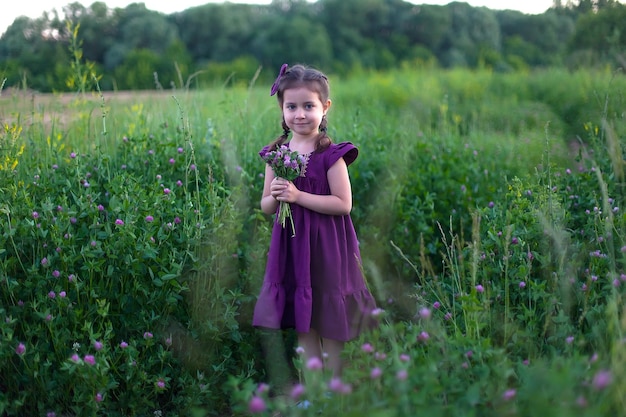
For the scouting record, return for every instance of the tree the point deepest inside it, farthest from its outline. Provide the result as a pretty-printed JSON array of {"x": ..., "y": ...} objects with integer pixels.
[{"x": 472, "y": 31}]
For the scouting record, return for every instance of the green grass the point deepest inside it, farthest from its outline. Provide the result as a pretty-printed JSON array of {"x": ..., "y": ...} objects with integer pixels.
[{"x": 490, "y": 213}]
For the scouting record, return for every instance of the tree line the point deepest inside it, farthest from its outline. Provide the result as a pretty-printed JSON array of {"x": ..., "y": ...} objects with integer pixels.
[{"x": 138, "y": 48}]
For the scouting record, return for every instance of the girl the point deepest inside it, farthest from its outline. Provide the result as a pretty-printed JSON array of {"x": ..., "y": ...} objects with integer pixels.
[{"x": 313, "y": 280}]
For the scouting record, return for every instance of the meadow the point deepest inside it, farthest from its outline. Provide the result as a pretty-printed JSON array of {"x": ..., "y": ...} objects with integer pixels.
[{"x": 490, "y": 211}]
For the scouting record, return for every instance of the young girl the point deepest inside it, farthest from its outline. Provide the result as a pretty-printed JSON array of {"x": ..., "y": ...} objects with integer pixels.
[{"x": 313, "y": 280}]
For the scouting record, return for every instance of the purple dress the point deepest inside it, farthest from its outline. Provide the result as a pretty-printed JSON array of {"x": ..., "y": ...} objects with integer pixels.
[{"x": 314, "y": 279}]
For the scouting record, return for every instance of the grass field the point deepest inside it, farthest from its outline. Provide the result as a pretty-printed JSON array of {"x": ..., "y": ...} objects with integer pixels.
[{"x": 489, "y": 209}]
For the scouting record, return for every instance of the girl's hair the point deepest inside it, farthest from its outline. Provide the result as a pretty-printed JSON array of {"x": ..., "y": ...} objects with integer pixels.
[{"x": 314, "y": 80}]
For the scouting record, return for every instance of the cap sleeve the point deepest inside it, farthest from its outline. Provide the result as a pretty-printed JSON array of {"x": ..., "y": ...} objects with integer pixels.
[{"x": 345, "y": 150}]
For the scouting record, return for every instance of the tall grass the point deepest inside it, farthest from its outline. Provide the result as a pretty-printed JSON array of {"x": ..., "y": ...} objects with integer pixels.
[{"x": 489, "y": 208}]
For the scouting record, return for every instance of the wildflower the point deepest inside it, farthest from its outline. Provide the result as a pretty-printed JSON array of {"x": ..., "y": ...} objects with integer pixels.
[
  {"x": 49, "y": 317},
  {"x": 51, "y": 414},
  {"x": 616, "y": 282},
  {"x": 423, "y": 336},
  {"x": 177, "y": 220},
  {"x": 97, "y": 345},
  {"x": 76, "y": 346},
  {"x": 337, "y": 385},
  {"x": 90, "y": 360},
  {"x": 51, "y": 294},
  {"x": 425, "y": 313},
  {"x": 377, "y": 312},
  {"x": 147, "y": 335},
  {"x": 602, "y": 379},
  {"x": 569, "y": 340},
  {"x": 75, "y": 358},
  {"x": 73, "y": 155},
  {"x": 71, "y": 277},
  {"x": 119, "y": 222},
  {"x": 35, "y": 215},
  {"x": 100, "y": 207},
  {"x": 56, "y": 273},
  {"x": 469, "y": 354},
  {"x": 381, "y": 356},
  {"x": 448, "y": 316},
  {"x": 368, "y": 348},
  {"x": 20, "y": 349},
  {"x": 73, "y": 220},
  {"x": 297, "y": 391},
  {"x": 161, "y": 383},
  {"x": 314, "y": 364},
  {"x": 581, "y": 401},
  {"x": 509, "y": 394},
  {"x": 522, "y": 284},
  {"x": 149, "y": 219},
  {"x": 180, "y": 150},
  {"x": 491, "y": 204},
  {"x": 98, "y": 398},
  {"x": 376, "y": 373},
  {"x": 436, "y": 305},
  {"x": 172, "y": 161},
  {"x": 179, "y": 183},
  {"x": 62, "y": 294},
  {"x": 404, "y": 357},
  {"x": 299, "y": 350},
  {"x": 192, "y": 167},
  {"x": 44, "y": 261},
  {"x": 256, "y": 405},
  {"x": 168, "y": 341},
  {"x": 123, "y": 344},
  {"x": 262, "y": 388},
  {"x": 402, "y": 375},
  {"x": 166, "y": 191},
  {"x": 480, "y": 288},
  {"x": 514, "y": 241}
]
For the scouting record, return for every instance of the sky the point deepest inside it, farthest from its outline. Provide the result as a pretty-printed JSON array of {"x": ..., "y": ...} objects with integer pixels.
[{"x": 12, "y": 9}]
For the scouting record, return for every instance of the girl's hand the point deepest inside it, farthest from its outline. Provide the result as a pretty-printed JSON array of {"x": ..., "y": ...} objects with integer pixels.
[{"x": 283, "y": 190}]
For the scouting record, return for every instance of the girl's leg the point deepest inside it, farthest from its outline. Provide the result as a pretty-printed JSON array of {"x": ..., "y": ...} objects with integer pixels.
[
  {"x": 311, "y": 343},
  {"x": 333, "y": 348}
]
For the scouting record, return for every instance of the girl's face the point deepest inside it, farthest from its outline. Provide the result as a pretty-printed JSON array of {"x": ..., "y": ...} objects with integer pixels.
[{"x": 303, "y": 111}]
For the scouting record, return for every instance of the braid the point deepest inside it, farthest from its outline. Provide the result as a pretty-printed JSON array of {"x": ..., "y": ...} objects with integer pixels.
[{"x": 323, "y": 140}]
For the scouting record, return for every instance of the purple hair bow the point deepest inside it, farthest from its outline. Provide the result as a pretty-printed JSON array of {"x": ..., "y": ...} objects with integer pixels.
[{"x": 283, "y": 70}]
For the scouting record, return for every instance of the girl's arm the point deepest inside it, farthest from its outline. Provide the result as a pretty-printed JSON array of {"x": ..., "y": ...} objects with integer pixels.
[
  {"x": 268, "y": 201},
  {"x": 337, "y": 203}
]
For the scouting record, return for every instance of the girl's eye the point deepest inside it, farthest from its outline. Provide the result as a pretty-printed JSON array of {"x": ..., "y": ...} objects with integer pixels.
[
  {"x": 309, "y": 106},
  {"x": 290, "y": 106}
]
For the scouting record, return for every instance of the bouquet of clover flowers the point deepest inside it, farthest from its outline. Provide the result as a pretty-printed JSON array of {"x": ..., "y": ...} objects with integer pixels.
[{"x": 289, "y": 165}]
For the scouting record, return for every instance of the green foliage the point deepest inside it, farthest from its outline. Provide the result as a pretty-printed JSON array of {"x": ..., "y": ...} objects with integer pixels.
[
  {"x": 346, "y": 36},
  {"x": 130, "y": 261}
]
